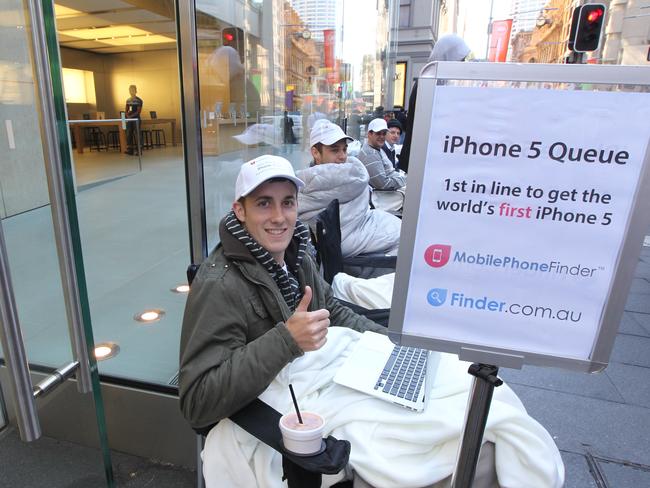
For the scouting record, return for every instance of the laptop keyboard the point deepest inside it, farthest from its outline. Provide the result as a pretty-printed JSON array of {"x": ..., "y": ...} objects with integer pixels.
[{"x": 403, "y": 373}]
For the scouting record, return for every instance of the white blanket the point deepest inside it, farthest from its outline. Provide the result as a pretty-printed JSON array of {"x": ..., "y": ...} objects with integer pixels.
[
  {"x": 370, "y": 293},
  {"x": 391, "y": 446}
]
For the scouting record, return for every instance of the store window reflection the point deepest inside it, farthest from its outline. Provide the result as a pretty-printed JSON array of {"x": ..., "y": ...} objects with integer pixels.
[
  {"x": 120, "y": 63},
  {"x": 269, "y": 69}
]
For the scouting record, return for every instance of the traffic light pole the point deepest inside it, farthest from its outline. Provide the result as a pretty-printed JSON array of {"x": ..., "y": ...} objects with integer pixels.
[
  {"x": 489, "y": 30},
  {"x": 575, "y": 58}
]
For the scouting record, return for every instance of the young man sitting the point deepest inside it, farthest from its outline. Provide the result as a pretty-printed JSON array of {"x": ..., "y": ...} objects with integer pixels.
[
  {"x": 257, "y": 302},
  {"x": 383, "y": 175},
  {"x": 333, "y": 174}
]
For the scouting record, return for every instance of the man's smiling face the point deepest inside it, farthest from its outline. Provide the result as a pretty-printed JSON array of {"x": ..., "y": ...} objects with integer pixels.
[{"x": 269, "y": 214}]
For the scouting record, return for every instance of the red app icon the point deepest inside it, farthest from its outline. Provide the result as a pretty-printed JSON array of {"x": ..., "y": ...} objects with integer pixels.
[{"x": 437, "y": 255}]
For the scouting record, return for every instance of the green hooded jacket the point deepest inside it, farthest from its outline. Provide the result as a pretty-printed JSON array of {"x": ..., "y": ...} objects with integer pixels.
[{"x": 234, "y": 339}]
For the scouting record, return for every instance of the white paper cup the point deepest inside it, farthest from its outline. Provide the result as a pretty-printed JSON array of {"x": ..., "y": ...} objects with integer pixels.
[{"x": 302, "y": 439}]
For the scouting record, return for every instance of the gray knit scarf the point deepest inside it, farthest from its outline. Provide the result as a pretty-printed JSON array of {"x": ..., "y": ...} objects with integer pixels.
[{"x": 286, "y": 281}]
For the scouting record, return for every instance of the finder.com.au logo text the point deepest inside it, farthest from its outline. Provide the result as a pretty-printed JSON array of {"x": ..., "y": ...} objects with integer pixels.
[{"x": 439, "y": 297}]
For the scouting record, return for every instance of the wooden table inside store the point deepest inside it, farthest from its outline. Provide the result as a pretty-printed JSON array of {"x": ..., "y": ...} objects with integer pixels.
[{"x": 78, "y": 125}]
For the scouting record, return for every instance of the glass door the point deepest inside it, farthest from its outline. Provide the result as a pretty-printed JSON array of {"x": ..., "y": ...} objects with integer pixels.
[
  {"x": 121, "y": 80},
  {"x": 46, "y": 332}
]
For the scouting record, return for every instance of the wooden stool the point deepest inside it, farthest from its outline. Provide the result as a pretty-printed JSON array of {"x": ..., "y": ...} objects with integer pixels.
[
  {"x": 94, "y": 138},
  {"x": 145, "y": 138},
  {"x": 158, "y": 136},
  {"x": 113, "y": 139}
]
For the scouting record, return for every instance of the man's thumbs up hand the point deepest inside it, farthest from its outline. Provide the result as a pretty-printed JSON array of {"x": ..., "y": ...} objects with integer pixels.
[{"x": 308, "y": 329}]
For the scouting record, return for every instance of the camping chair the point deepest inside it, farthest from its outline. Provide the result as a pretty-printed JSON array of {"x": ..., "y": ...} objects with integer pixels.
[
  {"x": 262, "y": 421},
  {"x": 391, "y": 201},
  {"x": 378, "y": 315},
  {"x": 328, "y": 248}
]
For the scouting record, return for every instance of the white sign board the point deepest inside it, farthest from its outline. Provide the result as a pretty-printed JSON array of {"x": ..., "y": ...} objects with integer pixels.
[{"x": 524, "y": 205}]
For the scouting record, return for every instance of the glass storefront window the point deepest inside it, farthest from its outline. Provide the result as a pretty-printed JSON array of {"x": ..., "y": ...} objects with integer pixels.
[
  {"x": 269, "y": 69},
  {"x": 131, "y": 188},
  {"x": 25, "y": 201}
]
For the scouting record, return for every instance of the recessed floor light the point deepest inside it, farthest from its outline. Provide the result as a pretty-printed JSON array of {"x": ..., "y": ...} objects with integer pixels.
[
  {"x": 181, "y": 288},
  {"x": 149, "y": 316},
  {"x": 106, "y": 350}
]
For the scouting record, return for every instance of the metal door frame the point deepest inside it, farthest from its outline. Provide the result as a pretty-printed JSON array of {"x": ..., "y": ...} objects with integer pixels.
[{"x": 54, "y": 135}]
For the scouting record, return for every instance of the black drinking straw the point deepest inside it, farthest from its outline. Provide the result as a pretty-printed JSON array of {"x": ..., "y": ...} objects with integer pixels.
[{"x": 295, "y": 404}]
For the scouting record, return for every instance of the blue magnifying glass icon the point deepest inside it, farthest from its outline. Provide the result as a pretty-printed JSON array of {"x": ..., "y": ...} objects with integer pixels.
[{"x": 437, "y": 296}]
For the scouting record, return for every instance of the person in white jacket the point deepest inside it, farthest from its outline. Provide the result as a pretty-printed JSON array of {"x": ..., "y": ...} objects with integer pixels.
[{"x": 333, "y": 174}]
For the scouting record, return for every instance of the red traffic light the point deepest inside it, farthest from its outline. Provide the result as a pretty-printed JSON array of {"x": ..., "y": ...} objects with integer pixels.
[
  {"x": 589, "y": 20},
  {"x": 595, "y": 15},
  {"x": 234, "y": 37}
]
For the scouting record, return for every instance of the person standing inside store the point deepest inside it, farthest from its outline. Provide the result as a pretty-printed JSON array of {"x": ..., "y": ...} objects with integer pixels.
[{"x": 133, "y": 109}]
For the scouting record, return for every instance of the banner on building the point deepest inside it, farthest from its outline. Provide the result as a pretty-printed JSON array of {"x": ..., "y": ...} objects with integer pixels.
[
  {"x": 499, "y": 40},
  {"x": 329, "y": 36}
]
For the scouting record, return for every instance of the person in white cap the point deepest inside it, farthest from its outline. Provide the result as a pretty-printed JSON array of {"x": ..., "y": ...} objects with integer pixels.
[
  {"x": 383, "y": 175},
  {"x": 388, "y": 183},
  {"x": 257, "y": 302},
  {"x": 333, "y": 174}
]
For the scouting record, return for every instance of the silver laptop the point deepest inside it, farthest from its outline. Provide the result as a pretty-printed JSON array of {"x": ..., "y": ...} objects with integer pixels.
[{"x": 397, "y": 374}]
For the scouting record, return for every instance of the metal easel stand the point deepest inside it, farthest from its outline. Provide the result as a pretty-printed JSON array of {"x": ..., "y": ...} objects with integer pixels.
[{"x": 478, "y": 407}]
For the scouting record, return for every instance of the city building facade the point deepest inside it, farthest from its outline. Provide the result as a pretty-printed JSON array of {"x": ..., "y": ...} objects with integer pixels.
[
  {"x": 302, "y": 56},
  {"x": 319, "y": 15},
  {"x": 547, "y": 37},
  {"x": 415, "y": 36},
  {"x": 524, "y": 14},
  {"x": 625, "y": 37}
]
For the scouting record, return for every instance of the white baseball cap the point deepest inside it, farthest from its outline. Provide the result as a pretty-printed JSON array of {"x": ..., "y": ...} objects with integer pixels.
[
  {"x": 256, "y": 171},
  {"x": 327, "y": 133},
  {"x": 377, "y": 125}
]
